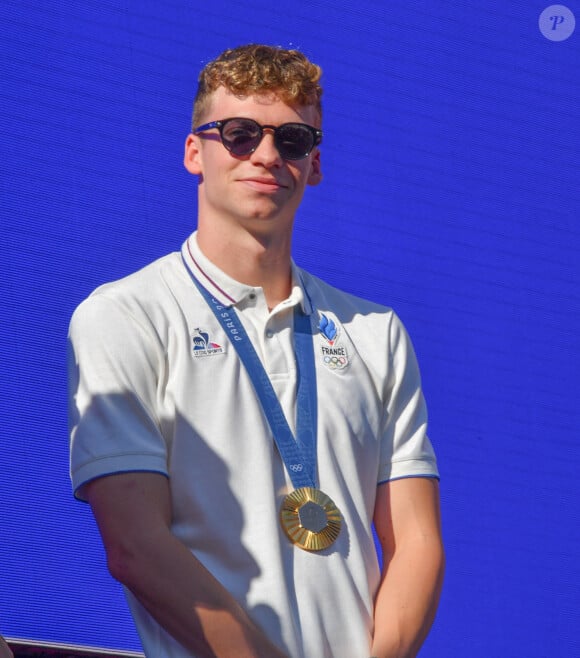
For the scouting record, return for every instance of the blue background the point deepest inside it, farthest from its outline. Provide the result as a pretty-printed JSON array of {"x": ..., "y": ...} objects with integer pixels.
[{"x": 451, "y": 192}]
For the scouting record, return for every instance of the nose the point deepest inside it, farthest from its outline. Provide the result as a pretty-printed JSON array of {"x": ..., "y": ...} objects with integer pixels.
[{"x": 266, "y": 152}]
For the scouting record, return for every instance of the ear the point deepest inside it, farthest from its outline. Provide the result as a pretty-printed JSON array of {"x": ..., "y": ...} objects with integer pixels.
[
  {"x": 315, "y": 175},
  {"x": 192, "y": 155}
]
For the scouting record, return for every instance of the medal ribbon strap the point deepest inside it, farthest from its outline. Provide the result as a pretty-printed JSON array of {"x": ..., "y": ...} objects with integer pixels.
[
  {"x": 298, "y": 454},
  {"x": 306, "y": 398}
]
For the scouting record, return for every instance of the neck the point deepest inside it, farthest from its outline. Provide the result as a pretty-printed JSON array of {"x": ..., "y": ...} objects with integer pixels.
[{"x": 256, "y": 260}]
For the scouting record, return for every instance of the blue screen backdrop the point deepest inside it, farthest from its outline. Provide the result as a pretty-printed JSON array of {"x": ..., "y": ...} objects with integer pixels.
[{"x": 451, "y": 162}]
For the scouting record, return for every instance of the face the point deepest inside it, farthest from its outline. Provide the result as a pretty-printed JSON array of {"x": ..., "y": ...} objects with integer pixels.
[{"x": 260, "y": 190}]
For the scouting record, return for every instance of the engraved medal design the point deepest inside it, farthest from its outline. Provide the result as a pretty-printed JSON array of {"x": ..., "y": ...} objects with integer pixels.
[{"x": 310, "y": 519}]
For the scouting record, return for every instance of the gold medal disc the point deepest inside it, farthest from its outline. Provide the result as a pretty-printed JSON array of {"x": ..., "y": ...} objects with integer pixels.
[{"x": 310, "y": 519}]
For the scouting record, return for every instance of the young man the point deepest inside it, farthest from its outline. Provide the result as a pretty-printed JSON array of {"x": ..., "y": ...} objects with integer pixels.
[{"x": 237, "y": 424}]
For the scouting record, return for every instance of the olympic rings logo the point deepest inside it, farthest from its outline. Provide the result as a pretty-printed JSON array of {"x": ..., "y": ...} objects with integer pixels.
[
  {"x": 296, "y": 467},
  {"x": 335, "y": 362}
]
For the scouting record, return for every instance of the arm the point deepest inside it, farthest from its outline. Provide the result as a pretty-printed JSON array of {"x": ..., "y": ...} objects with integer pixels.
[
  {"x": 408, "y": 526},
  {"x": 133, "y": 512}
]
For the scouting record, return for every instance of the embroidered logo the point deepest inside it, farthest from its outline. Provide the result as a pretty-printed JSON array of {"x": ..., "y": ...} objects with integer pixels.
[
  {"x": 328, "y": 329},
  {"x": 202, "y": 346},
  {"x": 334, "y": 356}
]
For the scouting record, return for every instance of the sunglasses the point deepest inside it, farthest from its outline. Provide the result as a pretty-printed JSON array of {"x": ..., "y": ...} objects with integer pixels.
[{"x": 294, "y": 141}]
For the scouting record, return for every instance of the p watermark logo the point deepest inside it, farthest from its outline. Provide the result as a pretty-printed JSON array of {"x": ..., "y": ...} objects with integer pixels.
[{"x": 557, "y": 22}]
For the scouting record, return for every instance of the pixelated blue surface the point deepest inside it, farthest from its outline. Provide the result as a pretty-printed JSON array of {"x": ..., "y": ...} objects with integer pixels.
[{"x": 451, "y": 170}]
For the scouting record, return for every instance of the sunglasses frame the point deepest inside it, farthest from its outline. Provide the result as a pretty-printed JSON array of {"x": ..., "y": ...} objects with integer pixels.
[{"x": 221, "y": 124}]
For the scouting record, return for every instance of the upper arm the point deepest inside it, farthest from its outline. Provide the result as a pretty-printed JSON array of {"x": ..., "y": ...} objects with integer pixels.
[{"x": 407, "y": 510}]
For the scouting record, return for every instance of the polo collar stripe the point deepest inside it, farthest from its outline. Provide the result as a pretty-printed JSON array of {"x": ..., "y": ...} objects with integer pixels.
[{"x": 207, "y": 277}]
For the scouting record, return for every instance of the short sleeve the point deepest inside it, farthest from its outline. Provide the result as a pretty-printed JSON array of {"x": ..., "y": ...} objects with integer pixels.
[
  {"x": 115, "y": 363},
  {"x": 406, "y": 450}
]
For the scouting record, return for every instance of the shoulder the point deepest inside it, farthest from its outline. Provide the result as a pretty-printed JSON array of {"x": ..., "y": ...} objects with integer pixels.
[
  {"x": 144, "y": 283},
  {"x": 374, "y": 330},
  {"x": 322, "y": 291},
  {"x": 137, "y": 310},
  {"x": 139, "y": 294},
  {"x": 353, "y": 312}
]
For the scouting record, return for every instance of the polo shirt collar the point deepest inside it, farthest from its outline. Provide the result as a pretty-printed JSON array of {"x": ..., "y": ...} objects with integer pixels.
[{"x": 229, "y": 291}]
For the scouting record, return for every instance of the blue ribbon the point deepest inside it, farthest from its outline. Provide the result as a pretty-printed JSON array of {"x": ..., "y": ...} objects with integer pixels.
[{"x": 298, "y": 453}]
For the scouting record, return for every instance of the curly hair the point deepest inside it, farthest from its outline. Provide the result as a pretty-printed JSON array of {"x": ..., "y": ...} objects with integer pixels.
[{"x": 256, "y": 70}]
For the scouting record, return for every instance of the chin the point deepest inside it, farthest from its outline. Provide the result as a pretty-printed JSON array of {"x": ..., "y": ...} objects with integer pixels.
[
  {"x": 265, "y": 213},
  {"x": 267, "y": 224}
]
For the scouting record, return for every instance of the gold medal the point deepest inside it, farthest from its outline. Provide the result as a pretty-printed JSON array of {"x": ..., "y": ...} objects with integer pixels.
[{"x": 310, "y": 519}]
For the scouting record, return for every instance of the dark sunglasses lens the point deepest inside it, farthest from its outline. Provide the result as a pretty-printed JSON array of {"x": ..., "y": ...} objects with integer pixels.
[
  {"x": 294, "y": 141},
  {"x": 241, "y": 136}
]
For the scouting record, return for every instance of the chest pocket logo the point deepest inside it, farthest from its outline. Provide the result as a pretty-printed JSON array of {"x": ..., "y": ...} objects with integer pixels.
[
  {"x": 203, "y": 346},
  {"x": 334, "y": 355}
]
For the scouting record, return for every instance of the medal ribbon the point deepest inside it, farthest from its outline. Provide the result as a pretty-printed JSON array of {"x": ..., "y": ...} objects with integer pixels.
[{"x": 298, "y": 453}]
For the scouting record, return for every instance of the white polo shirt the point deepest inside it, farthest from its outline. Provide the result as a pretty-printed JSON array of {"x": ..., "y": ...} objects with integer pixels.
[{"x": 155, "y": 385}]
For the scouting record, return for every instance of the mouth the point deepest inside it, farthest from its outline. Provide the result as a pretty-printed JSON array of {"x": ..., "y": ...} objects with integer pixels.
[{"x": 263, "y": 184}]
